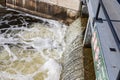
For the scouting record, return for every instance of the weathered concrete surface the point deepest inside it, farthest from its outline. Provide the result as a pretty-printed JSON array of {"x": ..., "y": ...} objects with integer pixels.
[
  {"x": 56, "y": 8},
  {"x": 71, "y": 4}
]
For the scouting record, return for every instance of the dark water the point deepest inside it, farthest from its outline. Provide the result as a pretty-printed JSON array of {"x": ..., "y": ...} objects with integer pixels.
[
  {"x": 13, "y": 18},
  {"x": 89, "y": 72}
]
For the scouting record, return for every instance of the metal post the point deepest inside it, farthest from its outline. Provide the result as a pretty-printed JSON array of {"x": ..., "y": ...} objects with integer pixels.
[
  {"x": 97, "y": 14},
  {"x": 98, "y": 10},
  {"x": 111, "y": 25}
]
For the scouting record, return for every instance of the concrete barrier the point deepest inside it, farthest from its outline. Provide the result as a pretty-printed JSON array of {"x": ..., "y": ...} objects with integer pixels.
[{"x": 61, "y": 9}]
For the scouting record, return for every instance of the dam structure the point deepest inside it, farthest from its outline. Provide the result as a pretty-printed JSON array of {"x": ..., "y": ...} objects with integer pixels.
[
  {"x": 60, "y": 40},
  {"x": 34, "y": 46},
  {"x": 48, "y": 8}
]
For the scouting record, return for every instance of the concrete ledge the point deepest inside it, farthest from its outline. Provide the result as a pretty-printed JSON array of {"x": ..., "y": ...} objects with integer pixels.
[
  {"x": 65, "y": 19},
  {"x": 46, "y": 10}
]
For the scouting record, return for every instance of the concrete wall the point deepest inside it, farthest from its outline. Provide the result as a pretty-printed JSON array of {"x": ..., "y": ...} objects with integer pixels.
[
  {"x": 71, "y": 4},
  {"x": 56, "y": 8}
]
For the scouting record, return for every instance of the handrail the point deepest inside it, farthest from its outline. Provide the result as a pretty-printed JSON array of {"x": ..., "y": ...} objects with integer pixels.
[{"x": 100, "y": 4}]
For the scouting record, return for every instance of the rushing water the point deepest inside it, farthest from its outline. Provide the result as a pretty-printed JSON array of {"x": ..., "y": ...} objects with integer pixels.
[{"x": 30, "y": 49}]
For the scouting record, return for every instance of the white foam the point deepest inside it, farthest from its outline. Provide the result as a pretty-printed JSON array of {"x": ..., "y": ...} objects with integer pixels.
[
  {"x": 54, "y": 69},
  {"x": 11, "y": 54},
  {"x": 52, "y": 42},
  {"x": 14, "y": 77}
]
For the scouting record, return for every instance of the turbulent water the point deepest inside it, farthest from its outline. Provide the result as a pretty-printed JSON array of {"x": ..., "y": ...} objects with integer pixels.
[{"x": 30, "y": 49}]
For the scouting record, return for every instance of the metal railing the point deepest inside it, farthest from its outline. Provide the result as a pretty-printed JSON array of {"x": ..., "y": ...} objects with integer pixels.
[{"x": 101, "y": 5}]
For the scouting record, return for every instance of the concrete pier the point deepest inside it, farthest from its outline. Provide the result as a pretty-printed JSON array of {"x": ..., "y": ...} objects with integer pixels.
[{"x": 48, "y": 8}]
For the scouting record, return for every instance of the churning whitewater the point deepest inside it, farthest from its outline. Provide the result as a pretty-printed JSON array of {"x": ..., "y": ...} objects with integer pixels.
[{"x": 30, "y": 50}]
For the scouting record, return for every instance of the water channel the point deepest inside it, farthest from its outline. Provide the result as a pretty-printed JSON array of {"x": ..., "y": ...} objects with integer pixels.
[{"x": 35, "y": 48}]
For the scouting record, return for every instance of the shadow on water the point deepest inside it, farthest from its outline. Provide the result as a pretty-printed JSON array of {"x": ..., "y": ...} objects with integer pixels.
[
  {"x": 12, "y": 18},
  {"x": 89, "y": 73}
]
